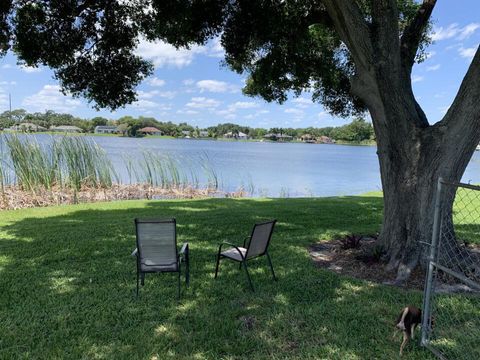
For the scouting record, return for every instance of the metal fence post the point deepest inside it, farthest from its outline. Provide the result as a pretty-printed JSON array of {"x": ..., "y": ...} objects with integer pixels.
[{"x": 433, "y": 250}]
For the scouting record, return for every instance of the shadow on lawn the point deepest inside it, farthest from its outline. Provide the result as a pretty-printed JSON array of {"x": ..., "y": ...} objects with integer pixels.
[{"x": 68, "y": 286}]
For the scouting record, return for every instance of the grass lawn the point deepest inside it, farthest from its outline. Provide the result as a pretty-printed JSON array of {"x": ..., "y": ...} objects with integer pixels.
[{"x": 67, "y": 282}]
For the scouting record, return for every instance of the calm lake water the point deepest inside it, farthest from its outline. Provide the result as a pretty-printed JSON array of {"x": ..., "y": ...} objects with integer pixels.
[{"x": 270, "y": 169}]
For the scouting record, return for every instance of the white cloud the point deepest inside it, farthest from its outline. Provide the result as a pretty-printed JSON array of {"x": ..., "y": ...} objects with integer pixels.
[
  {"x": 187, "y": 112},
  {"x": 50, "y": 98},
  {"x": 256, "y": 114},
  {"x": 145, "y": 101},
  {"x": 203, "y": 103},
  {"x": 215, "y": 86},
  {"x": 230, "y": 112},
  {"x": 147, "y": 94},
  {"x": 8, "y": 83},
  {"x": 3, "y": 98},
  {"x": 453, "y": 30},
  {"x": 30, "y": 69},
  {"x": 163, "y": 54},
  {"x": 468, "y": 53},
  {"x": 417, "y": 78},
  {"x": 302, "y": 102},
  {"x": 216, "y": 49},
  {"x": 143, "y": 104},
  {"x": 167, "y": 94},
  {"x": 7, "y": 66},
  {"x": 243, "y": 105},
  {"x": 468, "y": 31},
  {"x": 224, "y": 112},
  {"x": 156, "y": 93},
  {"x": 442, "y": 33},
  {"x": 296, "y": 112},
  {"x": 156, "y": 82},
  {"x": 188, "y": 82},
  {"x": 433, "y": 67},
  {"x": 323, "y": 115}
]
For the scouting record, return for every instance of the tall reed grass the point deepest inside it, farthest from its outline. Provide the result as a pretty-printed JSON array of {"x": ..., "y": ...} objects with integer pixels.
[
  {"x": 70, "y": 162},
  {"x": 76, "y": 163},
  {"x": 166, "y": 171}
]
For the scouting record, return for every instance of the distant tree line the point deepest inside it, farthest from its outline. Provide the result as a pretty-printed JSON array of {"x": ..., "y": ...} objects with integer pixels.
[{"x": 357, "y": 131}]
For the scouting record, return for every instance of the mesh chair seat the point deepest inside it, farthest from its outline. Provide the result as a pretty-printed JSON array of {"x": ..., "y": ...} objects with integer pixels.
[
  {"x": 233, "y": 253},
  {"x": 150, "y": 266}
]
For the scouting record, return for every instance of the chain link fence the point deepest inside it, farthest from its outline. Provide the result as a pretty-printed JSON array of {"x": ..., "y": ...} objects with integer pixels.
[{"x": 452, "y": 288}]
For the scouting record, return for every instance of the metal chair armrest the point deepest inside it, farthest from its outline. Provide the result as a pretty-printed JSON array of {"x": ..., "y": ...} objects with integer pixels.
[
  {"x": 183, "y": 253},
  {"x": 183, "y": 256},
  {"x": 134, "y": 252},
  {"x": 232, "y": 245},
  {"x": 184, "y": 249}
]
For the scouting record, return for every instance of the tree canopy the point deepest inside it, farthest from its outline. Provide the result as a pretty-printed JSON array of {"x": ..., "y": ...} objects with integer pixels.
[{"x": 283, "y": 45}]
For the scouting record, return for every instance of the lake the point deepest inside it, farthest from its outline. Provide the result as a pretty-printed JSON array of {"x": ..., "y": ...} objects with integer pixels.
[
  {"x": 269, "y": 169},
  {"x": 274, "y": 169}
]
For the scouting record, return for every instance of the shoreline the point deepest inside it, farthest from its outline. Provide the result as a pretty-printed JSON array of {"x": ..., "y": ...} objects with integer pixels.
[
  {"x": 168, "y": 137},
  {"x": 13, "y": 197}
]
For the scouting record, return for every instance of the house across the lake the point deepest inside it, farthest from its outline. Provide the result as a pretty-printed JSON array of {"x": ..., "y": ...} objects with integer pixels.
[
  {"x": 104, "y": 129},
  {"x": 236, "y": 135},
  {"x": 233, "y": 135},
  {"x": 203, "y": 133},
  {"x": 307, "y": 138},
  {"x": 28, "y": 127},
  {"x": 150, "y": 130},
  {"x": 325, "y": 140},
  {"x": 66, "y": 129},
  {"x": 278, "y": 137},
  {"x": 186, "y": 133}
]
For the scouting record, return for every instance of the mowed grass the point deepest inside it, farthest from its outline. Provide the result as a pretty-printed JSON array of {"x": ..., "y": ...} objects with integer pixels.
[{"x": 67, "y": 284}]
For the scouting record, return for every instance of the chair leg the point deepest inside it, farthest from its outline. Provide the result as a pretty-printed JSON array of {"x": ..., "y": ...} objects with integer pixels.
[
  {"x": 218, "y": 264},
  {"x": 179, "y": 283},
  {"x": 142, "y": 278},
  {"x": 187, "y": 272},
  {"x": 138, "y": 282},
  {"x": 271, "y": 266},
  {"x": 248, "y": 275}
]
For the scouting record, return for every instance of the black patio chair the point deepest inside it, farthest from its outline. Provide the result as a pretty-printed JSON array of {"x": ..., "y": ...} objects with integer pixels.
[
  {"x": 157, "y": 251},
  {"x": 257, "y": 246}
]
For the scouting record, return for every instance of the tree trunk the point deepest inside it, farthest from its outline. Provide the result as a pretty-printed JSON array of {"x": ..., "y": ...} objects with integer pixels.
[
  {"x": 409, "y": 197},
  {"x": 410, "y": 164}
]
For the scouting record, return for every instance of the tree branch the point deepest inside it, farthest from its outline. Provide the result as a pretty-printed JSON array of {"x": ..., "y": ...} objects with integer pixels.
[
  {"x": 85, "y": 5},
  {"x": 413, "y": 33},
  {"x": 385, "y": 35},
  {"x": 463, "y": 116},
  {"x": 352, "y": 29}
]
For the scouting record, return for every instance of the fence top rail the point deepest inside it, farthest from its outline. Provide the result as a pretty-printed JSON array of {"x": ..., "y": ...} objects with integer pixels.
[{"x": 458, "y": 184}]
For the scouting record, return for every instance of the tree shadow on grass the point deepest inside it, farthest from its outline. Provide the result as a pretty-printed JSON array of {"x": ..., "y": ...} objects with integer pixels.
[{"x": 67, "y": 283}]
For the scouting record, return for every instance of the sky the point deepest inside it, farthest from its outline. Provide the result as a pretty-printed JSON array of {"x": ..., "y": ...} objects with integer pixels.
[{"x": 192, "y": 86}]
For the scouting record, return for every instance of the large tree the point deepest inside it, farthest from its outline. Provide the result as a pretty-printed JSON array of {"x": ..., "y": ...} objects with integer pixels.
[{"x": 353, "y": 55}]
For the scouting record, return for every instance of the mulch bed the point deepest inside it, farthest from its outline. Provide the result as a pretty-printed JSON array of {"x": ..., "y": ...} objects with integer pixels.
[{"x": 360, "y": 263}]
